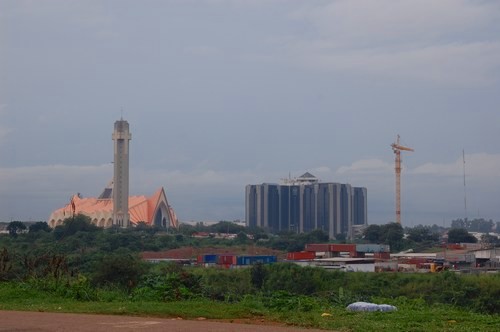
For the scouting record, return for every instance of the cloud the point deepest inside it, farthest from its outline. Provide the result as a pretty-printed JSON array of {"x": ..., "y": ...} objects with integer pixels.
[
  {"x": 209, "y": 194},
  {"x": 440, "y": 41},
  {"x": 371, "y": 22},
  {"x": 4, "y": 131},
  {"x": 204, "y": 51},
  {"x": 195, "y": 195},
  {"x": 367, "y": 166},
  {"x": 53, "y": 179},
  {"x": 478, "y": 165},
  {"x": 463, "y": 64}
]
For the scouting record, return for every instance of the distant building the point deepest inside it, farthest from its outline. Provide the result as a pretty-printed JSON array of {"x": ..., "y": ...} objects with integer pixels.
[
  {"x": 153, "y": 210},
  {"x": 304, "y": 204},
  {"x": 114, "y": 207}
]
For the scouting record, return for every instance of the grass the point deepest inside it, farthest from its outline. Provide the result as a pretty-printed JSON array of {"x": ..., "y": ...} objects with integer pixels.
[{"x": 411, "y": 315}]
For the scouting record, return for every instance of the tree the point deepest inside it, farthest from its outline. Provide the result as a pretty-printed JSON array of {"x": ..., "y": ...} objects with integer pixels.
[
  {"x": 241, "y": 238},
  {"x": 422, "y": 234},
  {"x": 490, "y": 239},
  {"x": 120, "y": 268},
  {"x": 39, "y": 226},
  {"x": 15, "y": 227},
  {"x": 474, "y": 225},
  {"x": 342, "y": 237},
  {"x": 258, "y": 275},
  {"x": 79, "y": 223},
  {"x": 372, "y": 233},
  {"x": 392, "y": 234},
  {"x": 316, "y": 236},
  {"x": 226, "y": 227},
  {"x": 460, "y": 235}
]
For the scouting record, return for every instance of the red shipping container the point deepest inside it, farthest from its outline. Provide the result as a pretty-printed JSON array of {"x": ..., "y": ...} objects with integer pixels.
[
  {"x": 382, "y": 255},
  {"x": 342, "y": 248},
  {"x": 227, "y": 259},
  {"x": 317, "y": 247},
  {"x": 415, "y": 261},
  {"x": 355, "y": 254},
  {"x": 301, "y": 255}
]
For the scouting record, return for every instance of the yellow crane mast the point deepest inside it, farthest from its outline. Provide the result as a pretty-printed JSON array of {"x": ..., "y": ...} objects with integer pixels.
[{"x": 397, "y": 148}]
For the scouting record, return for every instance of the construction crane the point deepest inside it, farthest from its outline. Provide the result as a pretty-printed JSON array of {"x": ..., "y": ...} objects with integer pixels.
[{"x": 397, "y": 148}]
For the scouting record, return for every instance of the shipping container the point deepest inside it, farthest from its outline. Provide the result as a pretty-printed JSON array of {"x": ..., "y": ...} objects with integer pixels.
[
  {"x": 301, "y": 255},
  {"x": 317, "y": 247},
  {"x": 209, "y": 258},
  {"x": 372, "y": 248},
  {"x": 250, "y": 260},
  {"x": 356, "y": 254},
  {"x": 342, "y": 248},
  {"x": 382, "y": 255},
  {"x": 416, "y": 260},
  {"x": 226, "y": 259}
]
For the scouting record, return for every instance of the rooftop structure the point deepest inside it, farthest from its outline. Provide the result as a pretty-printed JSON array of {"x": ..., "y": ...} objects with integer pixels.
[
  {"x": 306, "y": 178},
  {"x": 153, "y": 210}
]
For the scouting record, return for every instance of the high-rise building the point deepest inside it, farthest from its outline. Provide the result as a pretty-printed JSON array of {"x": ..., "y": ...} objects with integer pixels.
[
  {"x": 359, "y": 207},
  {"x": 304, "y": 204},
  {"x": 121, "y": 137}
]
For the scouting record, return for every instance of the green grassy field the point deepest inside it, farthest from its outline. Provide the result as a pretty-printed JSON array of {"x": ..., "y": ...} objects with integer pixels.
[{"x": 411, "y": 315}]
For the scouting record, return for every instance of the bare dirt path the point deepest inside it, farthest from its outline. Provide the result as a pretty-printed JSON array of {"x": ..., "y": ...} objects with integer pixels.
[{"x": 45, "y": 321}]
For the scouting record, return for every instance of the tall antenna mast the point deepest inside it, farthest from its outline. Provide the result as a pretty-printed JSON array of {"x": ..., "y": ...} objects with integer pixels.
[{"x": 465, "y": 190}]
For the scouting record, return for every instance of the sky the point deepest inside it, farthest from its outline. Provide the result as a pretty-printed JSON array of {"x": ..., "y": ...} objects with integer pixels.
[{"x": 220, "y": 94}]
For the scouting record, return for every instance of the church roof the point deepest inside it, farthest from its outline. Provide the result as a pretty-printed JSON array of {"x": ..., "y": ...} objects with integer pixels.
[{"x": 141, "y": 208}]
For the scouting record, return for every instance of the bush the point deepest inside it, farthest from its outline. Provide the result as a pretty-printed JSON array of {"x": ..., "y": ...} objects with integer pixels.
[
  {"x": 225, "y": 285},
  {"x": 121, "y": 268},
  {"x": 168, "y": 283}
]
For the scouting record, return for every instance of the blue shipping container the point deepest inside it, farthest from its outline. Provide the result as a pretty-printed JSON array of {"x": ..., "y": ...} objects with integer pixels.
[
  {"x": 210, "y": 258},
  {"x": 250, "y": 260},
  {"x": 372, "y": 248}
]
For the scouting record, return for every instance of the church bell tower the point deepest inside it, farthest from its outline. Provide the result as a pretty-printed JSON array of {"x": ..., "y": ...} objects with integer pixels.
[{"x": 121, "y": 137}]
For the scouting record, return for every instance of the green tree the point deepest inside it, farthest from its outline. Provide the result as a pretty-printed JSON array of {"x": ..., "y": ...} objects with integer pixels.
[
  {"x": 79, "y": 223},
  {"x": 226, "y": 227},
  {"x": 392, "y": 234},
  {"x": 241, "y": 238},
  {"x": 460, "y": 235},
  {"x": 121, "y": 267},
  {"x": 490, "y": 239},
  {"x": 373, "y": 234},
  {"x": 422, "y": 234},
  {"x": 258, "y": 275},
  {"x": 15, "y": 227},
  {"x": 316, "y": 236},
  {"x": 39, "y": 226},
  {"x": 474, "y": 225}
]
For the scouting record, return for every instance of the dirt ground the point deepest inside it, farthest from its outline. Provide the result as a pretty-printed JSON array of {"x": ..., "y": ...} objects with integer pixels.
[{"x": 23, "y": 321}]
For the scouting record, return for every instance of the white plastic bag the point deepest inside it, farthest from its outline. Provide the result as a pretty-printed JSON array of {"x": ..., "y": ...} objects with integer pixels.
[{"x": 367, "y": 306}]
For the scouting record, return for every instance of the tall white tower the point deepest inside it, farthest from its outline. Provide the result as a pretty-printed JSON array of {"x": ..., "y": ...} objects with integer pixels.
[{"x": 121, "y": 136}]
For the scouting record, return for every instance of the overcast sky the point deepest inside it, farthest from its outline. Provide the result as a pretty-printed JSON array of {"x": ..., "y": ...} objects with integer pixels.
[{"x": 220, "y": 94}]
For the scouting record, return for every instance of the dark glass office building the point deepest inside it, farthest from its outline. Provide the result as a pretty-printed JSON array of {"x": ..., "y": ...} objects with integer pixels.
[{"x": 304, "y": 204}]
